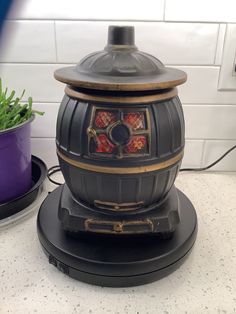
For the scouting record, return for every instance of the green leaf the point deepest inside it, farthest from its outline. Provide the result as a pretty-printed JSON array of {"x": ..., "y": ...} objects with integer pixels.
[{"x": 12, "y": 111}]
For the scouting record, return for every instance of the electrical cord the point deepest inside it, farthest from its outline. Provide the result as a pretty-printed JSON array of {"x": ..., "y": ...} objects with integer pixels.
[
  {"x": 57, "y": 168},
  {"x": 51, "y": 171},
  {"x": 211, "y": 165}
]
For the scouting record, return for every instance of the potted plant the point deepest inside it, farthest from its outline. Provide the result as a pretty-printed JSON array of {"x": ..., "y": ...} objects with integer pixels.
[{"x": 15, "y": 147}]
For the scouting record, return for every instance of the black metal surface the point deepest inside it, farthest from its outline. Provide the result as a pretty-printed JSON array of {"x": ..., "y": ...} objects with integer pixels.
[
  {"x": 114, "y": 261},
  {"x": 120, "y": 134},
  {"x": 39, "y": 172},
  {"x": 121, "y": 66},
  {"x": 158, "y": 218},
  {"x": 120, "y": 35},
  {"x": 166, "y": 140},
  {"x": 147, "y": 188},
  {"x": 166, "y": 127}
]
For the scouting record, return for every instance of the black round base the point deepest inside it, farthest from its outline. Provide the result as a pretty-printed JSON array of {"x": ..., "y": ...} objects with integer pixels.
[
  {"x": 115, "y": 261},
  {"x": 39, "y": 173}
]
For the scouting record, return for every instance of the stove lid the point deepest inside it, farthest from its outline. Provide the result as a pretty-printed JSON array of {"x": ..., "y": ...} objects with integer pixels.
[{"x": 121, "y": 67}]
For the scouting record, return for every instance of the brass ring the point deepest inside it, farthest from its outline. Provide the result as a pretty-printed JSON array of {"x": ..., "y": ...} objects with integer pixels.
[
  {"x": 122, "y": 170},
  {"x": 122, "y": 100}
]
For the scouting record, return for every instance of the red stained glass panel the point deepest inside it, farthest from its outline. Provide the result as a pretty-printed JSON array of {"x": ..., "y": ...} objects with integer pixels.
[
  {"x": 136, "y": 144},
  {"x": 104, "y": 118},
  {"x": 103, "y": 144},
  {"x": 135, "y": 120}
]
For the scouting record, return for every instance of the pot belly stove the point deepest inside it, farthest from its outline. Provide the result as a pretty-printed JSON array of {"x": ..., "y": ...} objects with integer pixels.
[{"x": 119, "y": 220}]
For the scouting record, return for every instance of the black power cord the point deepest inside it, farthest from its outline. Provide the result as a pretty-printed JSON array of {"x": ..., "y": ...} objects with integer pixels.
[
  {"x": 57, "y": 168},
  {"x": 211, "y": 165},
  {"x": 52, "y": 171}
]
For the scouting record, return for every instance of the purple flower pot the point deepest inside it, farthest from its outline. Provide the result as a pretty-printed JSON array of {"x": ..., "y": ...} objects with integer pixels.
[{"x": 15, "y": 161}]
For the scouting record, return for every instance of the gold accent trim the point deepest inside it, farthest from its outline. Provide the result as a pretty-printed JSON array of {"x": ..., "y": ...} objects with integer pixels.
[
  {"x": 124, "y": 100},
  {"x": 117, "y": 227},
  {"x": 91, "y": 132},
  {"x": 121, "y": 111},
  {"x": 122, "y": 170},
  {"x": 171, "y": 78},
  {"x": 118, "y": 207}
]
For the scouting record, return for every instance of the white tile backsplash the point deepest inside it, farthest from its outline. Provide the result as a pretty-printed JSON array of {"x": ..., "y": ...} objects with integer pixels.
[
  {"x": 41, "y": 36},
  {"x": 88, "y": 10},
  {"x": 200, "y": 10},
  {"x": 201, "y": 86},
  {"x": 220, "y": 44},
  {"x": 228, "y": 59},
  {"x": 36, "y": 79},
  {"x": 184, "y": 44},
  {"x": 193, "y": 154},
  {"x": 210, "y": 121},
  {"x": 45, "y": 148},
  {"x": 45, "y": 126},
  {"x": 28, "y": 41},
  {"x": 179, "y": 43}
]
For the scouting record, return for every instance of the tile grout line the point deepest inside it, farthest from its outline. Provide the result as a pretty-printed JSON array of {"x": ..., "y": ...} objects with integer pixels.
[
  {"x": 207, "y": 65},
  {"x": 203, "y": 152},
  {"x": 55, "y": 40},
  {"x": 164, "y": 11},
  {"x": 217, "y": 43},
  {"x": 122, "y": 20},
  {"x": 223, "y": 49},
  {"x": 91, "y": 20}
]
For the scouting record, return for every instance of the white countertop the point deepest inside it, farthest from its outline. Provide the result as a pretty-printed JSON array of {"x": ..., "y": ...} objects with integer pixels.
[{"x": 205, "y": 283}]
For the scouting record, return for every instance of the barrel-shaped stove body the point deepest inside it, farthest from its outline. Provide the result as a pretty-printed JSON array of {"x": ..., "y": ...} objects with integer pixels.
[{"x": 120, "y": 155}]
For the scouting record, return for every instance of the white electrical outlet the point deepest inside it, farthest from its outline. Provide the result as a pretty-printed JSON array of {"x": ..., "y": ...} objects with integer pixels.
[{"x": 227, "y": 79}]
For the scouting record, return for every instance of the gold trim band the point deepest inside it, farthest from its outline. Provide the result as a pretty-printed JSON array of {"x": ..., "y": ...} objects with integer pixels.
[
  {"x": 99, "y": 226},
  {"x": 122, "y": 170},
  {"x": 124, "y": 100},
  {"x": 118, "y": 207}
]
